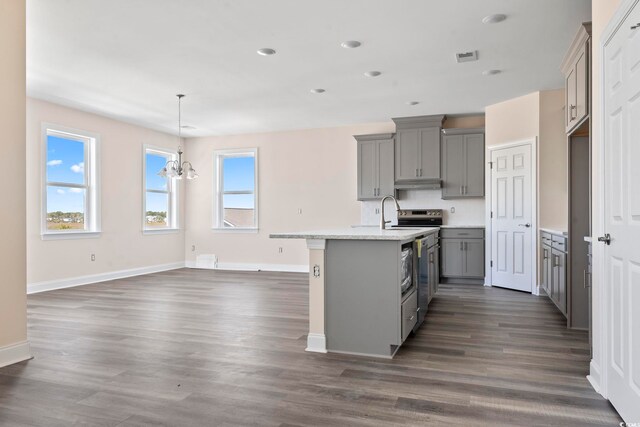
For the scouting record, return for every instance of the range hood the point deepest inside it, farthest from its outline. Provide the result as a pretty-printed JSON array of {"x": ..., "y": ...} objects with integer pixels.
[{"x": 423, "y": 184}]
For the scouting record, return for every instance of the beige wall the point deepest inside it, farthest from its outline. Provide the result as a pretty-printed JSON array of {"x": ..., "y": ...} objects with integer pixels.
[
  {"x": 313, "y": 170},
  {"x": 466, "y": 121},
  {"x": 553, "y": 164},
  {"x": 539, "y": 114},
  {"x": 13, "y": 312},
  {"x": 513, "y": 120},
  {"x": 121, "y": 246}
]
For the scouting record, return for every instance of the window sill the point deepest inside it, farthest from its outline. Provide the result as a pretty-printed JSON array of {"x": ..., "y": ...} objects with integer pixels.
[
  {"x": 162, "y": 231},
  {"x": 71, "y": 235},
  {"x": 235, "y": 230}
]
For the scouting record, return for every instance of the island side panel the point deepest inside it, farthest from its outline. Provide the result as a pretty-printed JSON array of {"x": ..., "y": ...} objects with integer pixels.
[
  {"x": 316, "y": 341},
  {"x": 362, "y": 296}
]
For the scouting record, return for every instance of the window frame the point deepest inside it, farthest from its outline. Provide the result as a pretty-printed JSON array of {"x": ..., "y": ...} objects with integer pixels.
[
  {"x": 218, "y": 176},
  {"x": 173, "y": 189},
  {"x": 91, "y": 185}
]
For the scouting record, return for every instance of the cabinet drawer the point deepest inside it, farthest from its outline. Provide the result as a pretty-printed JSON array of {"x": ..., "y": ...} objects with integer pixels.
[
  {"x": 409, "y": 313},
  {"x": 559, "y": 242},
  {"x": 462, "y": 233}
]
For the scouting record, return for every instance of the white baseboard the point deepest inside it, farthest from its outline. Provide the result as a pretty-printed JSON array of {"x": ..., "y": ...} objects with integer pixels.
[
  {"x": 15, "y": 353},
  {"x": 288, "y": 268},
  {"x": 316, "y": 343},
  {"x": 33, "y": 288}
]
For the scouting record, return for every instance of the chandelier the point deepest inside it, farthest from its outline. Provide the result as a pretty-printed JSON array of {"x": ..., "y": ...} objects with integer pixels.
[{"x": 177, "y": 168}]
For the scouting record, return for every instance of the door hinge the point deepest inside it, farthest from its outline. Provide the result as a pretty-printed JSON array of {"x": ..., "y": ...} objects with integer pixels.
[
  {"x": 491, "y": 263},
  {"x": 490, "y": 165},
  {"x": 491, "y": 214}
]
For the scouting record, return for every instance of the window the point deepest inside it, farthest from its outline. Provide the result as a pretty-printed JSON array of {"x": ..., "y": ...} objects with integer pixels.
[
  {"x": 237, "y": 189},
  {"x": 160, "y": 197},
  {"x": 70, "y": 197}
]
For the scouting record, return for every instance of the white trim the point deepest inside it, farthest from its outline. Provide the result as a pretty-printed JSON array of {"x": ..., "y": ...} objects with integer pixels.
[
  {"x": 598, "y": 368},
  {"x": 316, "y": 343},
  {"x": 15, "y": 353},
  {"x": 235, "y": 230},
  {"x": 533, "y": 143},
  {"x": 161, "y": 231},
  {"x": 218, "y": 185},
  {"x": 91, "y": 185},
  {"x": 316, "y": 244},
  {"x": 49, "y": 285},
  {"x": 237, "y": 266},
  {"x": 71, "y": 235}
]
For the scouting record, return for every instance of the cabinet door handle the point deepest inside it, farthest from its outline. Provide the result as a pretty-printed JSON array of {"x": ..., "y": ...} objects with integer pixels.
[
  {"x": 556, "y": 261},
  {"x": 416, "y": 171},
  {"x": 460, "y": 245},
  {"x": 431, "y": 257},
  {"x": 420, "y": 171},
  {"x": 636, "y": 26},
  {"x": 573, "y": 108},
  {"x": 545, "y": 254},
  {"x": 461, "y": 189}
]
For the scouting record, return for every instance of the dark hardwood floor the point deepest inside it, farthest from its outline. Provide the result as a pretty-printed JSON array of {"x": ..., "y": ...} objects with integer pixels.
[{"x": 212, "y": 348}]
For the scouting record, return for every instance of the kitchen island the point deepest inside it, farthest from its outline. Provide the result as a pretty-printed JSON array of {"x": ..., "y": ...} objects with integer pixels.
[{"x": 356, "y": 303}]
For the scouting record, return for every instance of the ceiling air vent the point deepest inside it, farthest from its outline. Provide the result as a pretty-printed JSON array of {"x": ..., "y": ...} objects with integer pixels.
[{"x": 467, "y": 56}]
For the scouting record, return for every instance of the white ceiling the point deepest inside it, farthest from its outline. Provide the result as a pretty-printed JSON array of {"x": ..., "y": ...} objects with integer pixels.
[{"x": 127, "y": 59}]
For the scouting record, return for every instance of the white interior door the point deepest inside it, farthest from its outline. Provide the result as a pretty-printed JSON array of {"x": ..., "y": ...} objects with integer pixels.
[
  {"x": 511, "y": 221},
  {"x": 622, "y": 216}
]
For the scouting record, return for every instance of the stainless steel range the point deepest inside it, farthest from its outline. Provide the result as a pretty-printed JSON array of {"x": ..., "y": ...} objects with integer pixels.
[{"x": 419, "y": 218}]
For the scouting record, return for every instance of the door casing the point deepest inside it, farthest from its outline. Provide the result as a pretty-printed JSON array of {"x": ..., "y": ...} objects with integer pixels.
[{"x": 533, "y": 142}]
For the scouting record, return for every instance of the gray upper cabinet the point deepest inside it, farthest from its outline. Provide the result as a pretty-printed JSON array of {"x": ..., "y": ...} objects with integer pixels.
[
  {"x": 463, "y": 163},
  {"x": 417, "y": 149},
  {"x": 375, "y": 166},
  {"x": 575, "y": 67}
]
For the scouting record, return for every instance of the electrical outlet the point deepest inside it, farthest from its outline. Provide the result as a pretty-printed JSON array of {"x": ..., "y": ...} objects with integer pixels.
[
  {"x": 193, "y": 248},
  {"x": 299, "y": 211},
  {"x": 93, "y": 257},
  {"x": 453, "y": 209},
  {"x": 377, "y": 211},
  {"x": 280, "y": 250}
]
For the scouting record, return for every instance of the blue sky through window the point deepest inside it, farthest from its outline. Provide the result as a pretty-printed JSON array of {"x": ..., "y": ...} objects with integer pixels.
[
  {"x": 239, "y": 175},
  {"x": 155, "y": 162},
  {"x": 65, "y": 164}
]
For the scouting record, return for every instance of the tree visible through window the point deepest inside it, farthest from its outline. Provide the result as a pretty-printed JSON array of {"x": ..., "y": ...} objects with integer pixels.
[{"x": 237, "y": 189}]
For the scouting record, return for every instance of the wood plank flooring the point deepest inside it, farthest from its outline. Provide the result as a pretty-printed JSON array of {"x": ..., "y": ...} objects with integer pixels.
[{"x": 212, "y": 348}]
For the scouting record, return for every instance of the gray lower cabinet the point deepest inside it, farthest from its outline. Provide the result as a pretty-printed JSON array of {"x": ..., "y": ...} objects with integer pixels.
[
  {"x": 554, "y": 269},
  {"x": 417, "y": 148},
  {"x": 462, "y": 253},
  {"x": 463, "y": 163},
  {"x": 375, "y": 166}
]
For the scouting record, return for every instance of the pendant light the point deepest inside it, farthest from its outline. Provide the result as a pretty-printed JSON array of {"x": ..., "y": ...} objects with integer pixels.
[{"x": 177, "y": 168}]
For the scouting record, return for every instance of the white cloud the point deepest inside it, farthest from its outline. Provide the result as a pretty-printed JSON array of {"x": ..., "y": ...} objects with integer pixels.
[
  {"x": 79, "y": 168},
  {"x": 54, "y": 162},
  {"x": 75, "y": 190},
  {"x": 60, "y": 191}
]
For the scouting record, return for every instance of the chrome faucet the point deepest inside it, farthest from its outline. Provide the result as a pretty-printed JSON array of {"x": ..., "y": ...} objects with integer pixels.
[{"x": 383, "y": 223}]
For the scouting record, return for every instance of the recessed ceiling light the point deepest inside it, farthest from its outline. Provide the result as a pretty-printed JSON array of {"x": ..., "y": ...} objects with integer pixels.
[
  {"x": 494, "y": 19},
  {"x": 266, "y": 51},
  {"x": 319, "y": 90},
  {"x": 491, "y": 72},
  {"x": 350, "y": 44},
  {"x": 412, "y": 102},
  {"x": 372, "y": 73}
]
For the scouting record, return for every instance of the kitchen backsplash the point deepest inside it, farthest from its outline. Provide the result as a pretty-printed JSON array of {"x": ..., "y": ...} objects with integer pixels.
[{"x": 467, "y": 211}]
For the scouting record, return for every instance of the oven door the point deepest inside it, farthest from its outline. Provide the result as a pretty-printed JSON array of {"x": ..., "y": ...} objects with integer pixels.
[{"x": 423, "y": 283}]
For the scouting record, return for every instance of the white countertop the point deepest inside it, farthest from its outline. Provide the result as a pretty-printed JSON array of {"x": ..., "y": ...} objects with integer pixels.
[
  {"x": 358, "y": 233},
  {"x": 552, "y": 231}
]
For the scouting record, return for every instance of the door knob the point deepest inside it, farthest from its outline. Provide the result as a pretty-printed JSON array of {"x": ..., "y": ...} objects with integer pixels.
[
  {"x": 524, "y": 225},
  {"x": 606, "y": 239}
]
